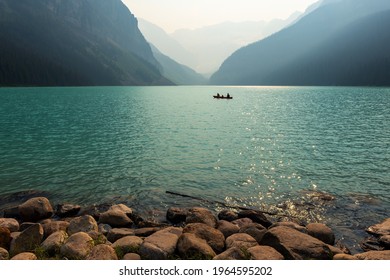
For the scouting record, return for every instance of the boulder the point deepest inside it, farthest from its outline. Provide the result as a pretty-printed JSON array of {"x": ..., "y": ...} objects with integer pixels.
[
  {"x": 84, "y": 223},
  {"x": 344, "y": 257},
  {"x": 102, "y": 252},
  {"x": 5, "y": 237},
  {"x": 128, "y": 244},
  {"x": 24, "y": 226},
  {"x": 104, "y": 228},
  {"x": 145, "y": 232},
  {"x": 67, "y": 210},
  {"x": 131, "y": 257},
  {"x": 10, "y": 223},
  {"x": 242, "y": 222},
  {"x": 257, "y": 231},
  {"x": 35, "y": 209},
  {"x": 212, "y": 236},
  {"x": 291, "y": 225},
  {"x": 77, "y": 247},
  {"x": 255, "y": 216},
  {"x": 321, "y": 232},
  {"x": 160, "y": 245},
  {"x": 117, "y": 233},
  {"x": 26, "y": 256},
  {"x": 296, "y": 245},
  {"x": 4, "y": 255},
  {"x": 241, "y": 240},
  {"x": 201, "y": 215},
  {"x": 233, "y": 253},
  {"x": 54, "y": 226},
  {"x": 264, "y": 253},
  {"x": 122, "y": 208},
  {"x": 53, "y": 243},
  {"x": 227, "y": 215},
  {"x": 227, "y": 228},
  {"x": 191, "y": 247},
  {"x": 28, "y": 240},
  {"x": 374, "y": 255},
  {"x": 176, "y": 215},
  {"x": 385, "y": 241},
  {"x": 380, "y": 229},
  {"x": 115, "y": 218}
]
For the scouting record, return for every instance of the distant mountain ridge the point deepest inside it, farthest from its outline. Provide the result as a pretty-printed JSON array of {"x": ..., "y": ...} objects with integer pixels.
[
  {"x": 342, "y": 42},
  {"x": 73, "y": 42}
]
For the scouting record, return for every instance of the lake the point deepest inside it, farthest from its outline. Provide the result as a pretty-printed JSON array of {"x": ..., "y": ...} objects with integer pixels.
[{"x": 314, "y": 153}]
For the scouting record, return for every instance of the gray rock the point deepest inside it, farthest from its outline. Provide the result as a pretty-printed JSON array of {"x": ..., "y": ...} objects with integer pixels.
[
  {"x": 296, "y": 245},
  {"x": 35, "y": 209},
  {"x": 257, "y": 231},
  {"x": 214, "y": 238},
  {"x": 176, "y": 215},
  {"x": 380, "y": 229},
  {"x": 241, "y": 241},
  {"x": 233, "y": 253},
  {"x": 84, "y": 223},
  {"x": 102, "y": 252},
  {"x": 117, "y": 233},
  {"x": 10, "y": 223},
  {"x": 264, "y": 253},
  {"x": 27, "y": 240},
  {"x": 77, "y": 247},
  {"x": 5, "y": 237},
  {"x": 53, "y": 243},
  {"x": 191, "y": 247},
  {"x": 255, "y": 216},
  {"x": 160, "y": 245},
  {"x": 4, "y": 255},
  {"x": 25, "y": 256},
  {"x": 321, "y": 232},
  {"x": 227, "y": 215},
  {"x": 227, "y": 228},
  {"x": 67, "y": 210},
  {"x": 131, "y": 257},
  {"x": 128, "y": 244},
  {"x": 374, "y": 255},
  {"x": 201, "y": 215}
]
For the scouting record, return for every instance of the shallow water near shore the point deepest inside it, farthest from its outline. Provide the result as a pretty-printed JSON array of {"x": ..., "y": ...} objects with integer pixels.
[{"x": 274, "y": 148}]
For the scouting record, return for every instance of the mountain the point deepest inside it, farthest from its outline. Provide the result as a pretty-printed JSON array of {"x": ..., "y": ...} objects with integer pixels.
[
  {"x": 342, "y": 42},
  {"x": 204, "y": 49},
  {"x": 176, "y": 72},
  {"x": 73, "y": 42}
]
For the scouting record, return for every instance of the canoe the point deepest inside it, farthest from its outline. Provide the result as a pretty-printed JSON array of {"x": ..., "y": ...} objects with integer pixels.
[{"x": 222, "y": 97}]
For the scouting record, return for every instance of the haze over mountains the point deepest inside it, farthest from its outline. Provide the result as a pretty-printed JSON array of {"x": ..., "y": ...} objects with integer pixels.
[{"x": 342, "y": 42}]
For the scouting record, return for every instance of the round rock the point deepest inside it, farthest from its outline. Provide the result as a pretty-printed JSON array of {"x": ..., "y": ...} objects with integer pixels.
[
  {"x": 321, "y": 232},
  {"x": 36, "y": 209},
  {"x": 77, "y": 247},
  {"x": 201, "y": 215},
  {"x": 102, "y": 252},
  {"x": 84, "y": 223}
]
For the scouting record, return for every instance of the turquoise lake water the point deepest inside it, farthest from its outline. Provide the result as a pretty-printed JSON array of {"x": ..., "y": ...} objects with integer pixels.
[{"x": 274, "y": 148}]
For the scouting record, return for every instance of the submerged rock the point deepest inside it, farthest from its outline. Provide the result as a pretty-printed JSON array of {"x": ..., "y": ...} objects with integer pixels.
[{"x": 380, "y": 229}]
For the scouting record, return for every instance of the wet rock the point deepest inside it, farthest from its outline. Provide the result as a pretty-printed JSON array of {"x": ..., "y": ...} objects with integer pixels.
[
  {"x": 117, "y": 233},
  {"x": 36, "y": 209},
  {"x": 255, "y": 216},
  {"x": 25, "y": 256},
  {"x": 380, "y": 229},
  {"x": 67, "y": 210},
  {"x": 27, "y": 240},
  {"x": 374, "y": 255},
  {"x": 295, "y": 245},
  {"x": 53, "y": 243},
  {"x": 385, "y": 241},
  {"x": 191, "y": 247},
  {"x": 243, "y": 222},
  {"x": 12, "y": 213},
  {"x": 241, "y": 240},
  {"x": 201, "y": 215},
  {"x": 227, "y": 228},
  {"x": 4, "y": 255},
  {"x": 264, "y": 253},
  {"x": 257, "y": 231},
  {"x": 214, "y": 238},
  {"x": 84, "y": 223},
  {"x": 102, "y": 252},
  {"x": 290, "y": 225},
  {"x": 233, "y": 253},
  {"x": 176, "y": 215},
  {"x": 160, "y": 245},
  {"x": 128, "y": 244},
  {"x": 77, "y": 247},
  {"x": 344, "y": 257},
  {"x": 227, "y": 215},
  {"x": 131, "y": 257},
  {"x": 5, "y": 237},
  {"x": 321, "y": 232},
  {"x": 10, "y": 223},
  {"x": 54, "y": 226}
]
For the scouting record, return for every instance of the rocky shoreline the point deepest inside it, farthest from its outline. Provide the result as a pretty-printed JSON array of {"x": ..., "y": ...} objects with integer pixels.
[{"x": 37, "y": 230}]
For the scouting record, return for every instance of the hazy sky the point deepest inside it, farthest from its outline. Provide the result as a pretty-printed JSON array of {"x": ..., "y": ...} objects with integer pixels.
[{"x": 175, "y": 14}]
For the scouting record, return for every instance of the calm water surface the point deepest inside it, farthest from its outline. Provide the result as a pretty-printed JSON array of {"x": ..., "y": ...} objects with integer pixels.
[{"x": 275, "y": 148}]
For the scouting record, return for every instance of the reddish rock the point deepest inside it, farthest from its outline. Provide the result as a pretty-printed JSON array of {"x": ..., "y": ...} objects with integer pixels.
[
  {"x": 241, "y": 240},
  {"x": 5, "y": 237},
  {"x": 214, "y": 238},
  {"x": 53, "y": 243},
  {"x": 321, "y": 232},
  {"x": 255, "y": 216},
  {"x": 36, "y": 209},
  {"x": 176, "y": 215},
  {"x": 117, "y": 233},
  {"x": 233, "y": 253},
  {"x": 264, "y": 253},
  {"x": 243, "y": 222},
  {"x": 54, "y": 226},
  {"x": 77, "y": 247},
  {"x": 380, "y": 229},
  {"x": 227, "y": 215},
  {"x": 4, "y": 255},
  {"x": 191, "y": 247},
  {"x": 102, "y": 252},
  {"x": 291, "y": 225},
  {"x": 344, "y": 257},
  {"x": 201, "y": 215},
  {"x": 10, "y": 223},
  {"x": 84, "y": 223},
  {"x": 227, "y": 228},
  {"x": 128, "y": 244},
  {"x": 26, "y": 256},
  {"x": 131, "y": 257},
  {"x": 27, "y": 241},
  {"x": 257, "y": 231},
  {"x": 67, "y": 210},
  {"x": 374, "y": 255}
]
